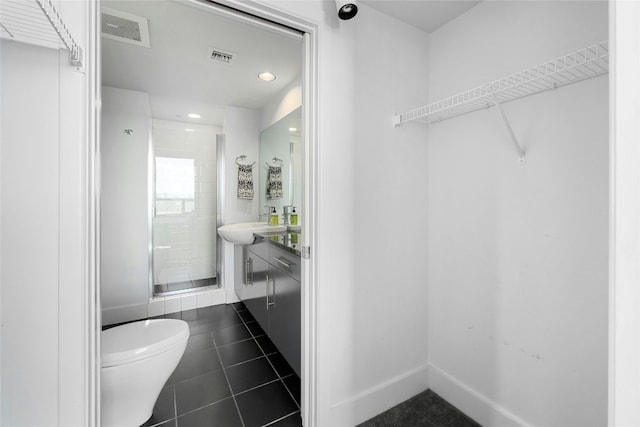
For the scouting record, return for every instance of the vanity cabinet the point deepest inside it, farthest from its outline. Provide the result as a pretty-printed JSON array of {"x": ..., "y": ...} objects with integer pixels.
[
  {"x": 253, "y": 289},
  {"x": 271, "y": 291}
]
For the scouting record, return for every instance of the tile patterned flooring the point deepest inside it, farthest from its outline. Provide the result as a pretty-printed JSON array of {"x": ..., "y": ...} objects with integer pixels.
[{"x": 231, "y": 374}]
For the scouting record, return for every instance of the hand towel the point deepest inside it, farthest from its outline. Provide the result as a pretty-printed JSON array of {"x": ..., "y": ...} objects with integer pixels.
[
  {"x": 245, "y": 182},
  {"x": 274, "y": 182}
]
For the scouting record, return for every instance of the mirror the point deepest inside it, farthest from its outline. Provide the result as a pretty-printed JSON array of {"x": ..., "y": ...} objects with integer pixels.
[{"x": 280, "y": 147}]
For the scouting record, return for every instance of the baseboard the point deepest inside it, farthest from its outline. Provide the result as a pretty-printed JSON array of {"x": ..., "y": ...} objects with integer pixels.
[
  {"x": 475, "y": 405},
  {"x": 126, "y": 313},
  {"x": 377, "y": 399},
  {"x": 164, "y": 305},
  {"x": 231, "y": 296}
]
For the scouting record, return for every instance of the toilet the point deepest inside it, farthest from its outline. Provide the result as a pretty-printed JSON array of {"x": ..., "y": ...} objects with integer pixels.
[{"x": 137, "y": 360}]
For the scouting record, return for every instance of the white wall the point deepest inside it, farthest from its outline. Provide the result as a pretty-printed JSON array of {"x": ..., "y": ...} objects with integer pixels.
[
  {"x": 124, "y": 205},
  {"x": 30, "y": 183},
  {"x": 518, "y": 253},
  {"x": 241, "y": 136},
  {"x": 383, "y": 352},
  {"x": 42, "y": 191},
  {"x": 282, "y": 104}
]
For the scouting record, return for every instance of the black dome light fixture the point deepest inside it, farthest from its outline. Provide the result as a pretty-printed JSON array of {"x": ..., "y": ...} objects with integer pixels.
[{"x": 347, "y": 9}]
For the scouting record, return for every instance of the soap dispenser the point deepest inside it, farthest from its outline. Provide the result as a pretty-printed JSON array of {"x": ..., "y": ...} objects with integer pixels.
[
  {"x": 273, "y": 217},
  {"x": 294, "y": 217}
]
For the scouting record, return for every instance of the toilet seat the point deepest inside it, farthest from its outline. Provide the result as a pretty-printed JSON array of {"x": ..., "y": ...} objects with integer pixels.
[{"x": 140, "y": 340}]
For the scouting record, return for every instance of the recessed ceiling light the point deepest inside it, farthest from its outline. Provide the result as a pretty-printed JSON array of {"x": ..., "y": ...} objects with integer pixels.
[
  {"x": 292, "y": 129},
  {"x": 190, "y": 130},
  {"x": 266, "y": 76},
  {"x": 194, "y": 115}
]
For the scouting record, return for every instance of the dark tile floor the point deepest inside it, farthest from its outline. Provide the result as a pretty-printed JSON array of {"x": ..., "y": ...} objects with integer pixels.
[
  {"x": 426, "y": 409},
  {"x": 231, "y": 374}
]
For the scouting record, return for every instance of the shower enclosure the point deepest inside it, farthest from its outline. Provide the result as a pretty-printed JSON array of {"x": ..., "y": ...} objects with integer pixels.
[{"x": 184, "y": 198}]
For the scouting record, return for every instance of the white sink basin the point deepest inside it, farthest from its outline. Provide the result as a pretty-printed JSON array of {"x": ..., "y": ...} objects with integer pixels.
[{"x": 242, "y": 232}]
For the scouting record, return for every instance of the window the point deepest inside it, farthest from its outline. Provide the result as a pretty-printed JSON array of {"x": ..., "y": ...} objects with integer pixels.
[{"x": 175, "y": 185}]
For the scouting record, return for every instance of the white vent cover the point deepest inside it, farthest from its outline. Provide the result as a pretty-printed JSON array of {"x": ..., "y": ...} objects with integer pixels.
[
  {"x": 125, "y": 27},
  {"x": 220, "y": 55}
]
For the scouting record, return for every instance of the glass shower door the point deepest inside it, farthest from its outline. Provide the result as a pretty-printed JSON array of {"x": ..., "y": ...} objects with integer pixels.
[{"x": 184, "y": 220}]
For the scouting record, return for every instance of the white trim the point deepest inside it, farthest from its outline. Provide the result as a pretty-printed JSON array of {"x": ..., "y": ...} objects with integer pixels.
[
  {"x": 381, "y": 397},
  {"x": 470, "y": 401},
  {"x": 92, "y": 214},
  {"x": 624, "y": 231},
  {"x": 310, "y": 237}
]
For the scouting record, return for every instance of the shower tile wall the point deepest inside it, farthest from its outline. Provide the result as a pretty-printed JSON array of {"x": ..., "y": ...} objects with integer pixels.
[{"x": 184, "y": 228}]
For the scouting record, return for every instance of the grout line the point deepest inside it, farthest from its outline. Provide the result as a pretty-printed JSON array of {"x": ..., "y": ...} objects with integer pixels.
[
  {"x": 274, "y": 368},
  {"x": 280, "y": 377},
  {"x": 256, "y": 387},
  {"x": 289, "y": 391},
  {"x": 280, "y": 419},
  {"x": 270, "y": 363},
  {"x": 224, "y": 371},
  {"x": 175, "y": 403},
  {"x": 231, "y": 343},
  {"x": 244, "y": 361},
  {"x": 199, "y": 375},
  {"x": 201, "y": 407}
]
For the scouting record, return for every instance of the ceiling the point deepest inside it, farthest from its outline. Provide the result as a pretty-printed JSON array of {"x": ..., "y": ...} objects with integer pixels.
[
  {"x": 427, "y": 15},
  {"x": 180, "y": 78},
  {"x": 176, "y": 71}
]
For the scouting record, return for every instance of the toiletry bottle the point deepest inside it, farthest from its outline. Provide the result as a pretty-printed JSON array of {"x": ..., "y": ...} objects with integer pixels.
[
  {"x": 294, "y": 217},
  {"x": 273, "y": 218}
]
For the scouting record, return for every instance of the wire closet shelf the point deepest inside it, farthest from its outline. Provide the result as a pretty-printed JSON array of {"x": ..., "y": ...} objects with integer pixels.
[
  {"x": 592, "y": 61},
  {"x": 37, "y": 22}
]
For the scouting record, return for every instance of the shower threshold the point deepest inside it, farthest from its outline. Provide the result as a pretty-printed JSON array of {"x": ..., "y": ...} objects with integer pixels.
[{"x": 163, "y": 290}]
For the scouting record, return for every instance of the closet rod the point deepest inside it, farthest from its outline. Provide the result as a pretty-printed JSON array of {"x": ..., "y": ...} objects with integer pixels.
[
  {"x": 37, "y": 22},
  {"x": 592, "y": 61}
]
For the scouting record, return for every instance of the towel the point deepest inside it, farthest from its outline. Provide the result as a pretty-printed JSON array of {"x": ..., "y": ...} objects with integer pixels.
[
  {"x": 274, "y": 182},
  {"x": 245, "y": 182}
]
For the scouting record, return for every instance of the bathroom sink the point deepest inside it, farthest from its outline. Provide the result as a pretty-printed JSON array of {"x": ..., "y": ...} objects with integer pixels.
[{"x": 242, "y": 232}]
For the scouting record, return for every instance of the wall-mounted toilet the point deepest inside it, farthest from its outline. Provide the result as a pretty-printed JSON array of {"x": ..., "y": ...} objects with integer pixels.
[{"x": 137, "y": 360}]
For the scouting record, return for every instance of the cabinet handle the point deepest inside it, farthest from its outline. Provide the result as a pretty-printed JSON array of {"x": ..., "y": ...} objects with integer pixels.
[
  {"x": 283, "y": 262},
  {"x": 269, "y": 302},
  {"x": 248, "y": 274}
]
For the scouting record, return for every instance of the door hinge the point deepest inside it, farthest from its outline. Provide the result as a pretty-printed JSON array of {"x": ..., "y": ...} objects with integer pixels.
[{"x": 306, "y": 252}]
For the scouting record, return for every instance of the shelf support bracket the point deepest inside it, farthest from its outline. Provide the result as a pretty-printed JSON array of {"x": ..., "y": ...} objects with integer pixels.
[{"x": 521, "y": 156}]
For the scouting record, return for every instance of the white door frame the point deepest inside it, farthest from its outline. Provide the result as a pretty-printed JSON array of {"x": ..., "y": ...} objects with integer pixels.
[
  {"x": 624, "y": 214},
  {"x": 309, "y": 208}
]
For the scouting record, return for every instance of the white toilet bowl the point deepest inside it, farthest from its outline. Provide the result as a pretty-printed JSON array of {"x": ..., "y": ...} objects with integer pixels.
[{"x": 137, "y": 360}]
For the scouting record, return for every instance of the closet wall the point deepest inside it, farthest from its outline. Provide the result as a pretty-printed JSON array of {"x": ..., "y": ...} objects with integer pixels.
[
  {"x": 518, "y": 253},
  {"x": 43, "y": 282}
]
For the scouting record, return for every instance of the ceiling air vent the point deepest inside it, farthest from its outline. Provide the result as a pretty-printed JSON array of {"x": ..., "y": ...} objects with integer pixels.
[
  {"x": 125, "y": 27},
  {"x": 219, "y": 55}
]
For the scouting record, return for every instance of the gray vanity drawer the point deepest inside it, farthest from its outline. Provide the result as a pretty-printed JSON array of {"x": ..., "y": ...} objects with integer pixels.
[
  {"x": 260, "y": 249},
  {"x": 285, "y": 261}
]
